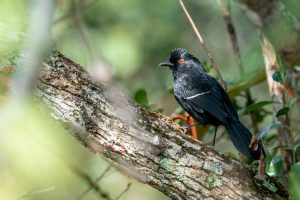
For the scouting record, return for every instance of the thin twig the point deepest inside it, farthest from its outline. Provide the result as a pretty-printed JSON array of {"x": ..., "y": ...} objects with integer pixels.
[
  {"x": 83, "y": 5},
  {"x": 35, "y": 192},
  {"x": 124, "y": 191},
  {"x": 225, "y": 9},
  {"x": 82, "y": 31},
  {"x": 96, "y": 180},
  {"x": 209, "y": 55},
  {"x": 93, "y": 185}
]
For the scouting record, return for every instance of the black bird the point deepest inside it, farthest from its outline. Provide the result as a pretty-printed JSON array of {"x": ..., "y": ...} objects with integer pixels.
[{"x": 205, "y": 100}]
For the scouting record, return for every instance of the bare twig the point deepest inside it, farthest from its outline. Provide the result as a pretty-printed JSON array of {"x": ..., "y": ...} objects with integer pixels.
[
  {"x": 124, "y": 191},
  {"x": 82, "y": 30},
  {"x": 96, "y": 180},
  {"x": 209, "y": 55},
  {"x": 35, "y": 192},
  {"x": 93, "y": 185},
  {"x": 83, "y": 5},
  {"x": 225, "y": 9}
]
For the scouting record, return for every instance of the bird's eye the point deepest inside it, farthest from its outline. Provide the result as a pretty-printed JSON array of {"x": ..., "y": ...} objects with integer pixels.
[{"x": 181, "y": 61}]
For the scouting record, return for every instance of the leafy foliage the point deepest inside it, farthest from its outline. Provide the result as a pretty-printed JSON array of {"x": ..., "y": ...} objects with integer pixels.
[
  {"x": 141, "y": 97},
  {"x": 283, "y": 111},
  {"x": 256, "y": 106},
  {"x": 265, "y": 131},
  {"x": 134, "y": 36}
]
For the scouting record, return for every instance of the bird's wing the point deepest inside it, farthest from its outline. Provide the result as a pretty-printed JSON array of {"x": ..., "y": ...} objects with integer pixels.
[{"x": 210, "y": 97}]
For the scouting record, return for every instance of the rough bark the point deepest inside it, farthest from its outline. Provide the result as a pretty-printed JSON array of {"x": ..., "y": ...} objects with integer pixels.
[{"x": 148, "y": 145}]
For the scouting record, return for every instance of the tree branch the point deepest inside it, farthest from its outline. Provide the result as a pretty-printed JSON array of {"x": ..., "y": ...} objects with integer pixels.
[{"x": 147, "y": 145}]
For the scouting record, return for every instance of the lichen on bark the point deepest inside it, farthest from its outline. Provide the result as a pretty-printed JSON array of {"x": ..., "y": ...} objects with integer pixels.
[{"x": 152, "y": 148}]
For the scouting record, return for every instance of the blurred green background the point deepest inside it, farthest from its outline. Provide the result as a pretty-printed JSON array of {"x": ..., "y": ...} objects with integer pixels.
[{"x": 131, "y": 37}]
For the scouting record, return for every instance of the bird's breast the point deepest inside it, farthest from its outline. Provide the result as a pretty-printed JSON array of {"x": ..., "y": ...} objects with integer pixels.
[{"x": 182, "y": 84}]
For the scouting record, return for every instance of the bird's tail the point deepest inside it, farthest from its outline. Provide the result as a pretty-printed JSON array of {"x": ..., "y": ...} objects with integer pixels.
[{"x": 241, "y": 138}]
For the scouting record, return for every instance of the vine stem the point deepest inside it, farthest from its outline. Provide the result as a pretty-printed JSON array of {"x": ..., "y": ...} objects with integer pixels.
[{"x": 209, "y": 55}]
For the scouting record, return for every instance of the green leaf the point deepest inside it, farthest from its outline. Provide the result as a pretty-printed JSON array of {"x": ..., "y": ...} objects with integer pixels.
[
  {"x": 276, "y": 167},
  {"x": 141, "y": 97},
  {"x": 296, "y": 68},
  {"x": 294, "y": 183},
  {"x": 282, "y": 111},
  {"x": 256, "y": 106},
  {"x": 277, "y": 77},
  {"x": 265, "y": 131}
]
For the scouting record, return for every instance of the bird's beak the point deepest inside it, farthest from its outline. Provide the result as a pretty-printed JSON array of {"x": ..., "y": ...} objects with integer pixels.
[{"x": 167, "y": 63}]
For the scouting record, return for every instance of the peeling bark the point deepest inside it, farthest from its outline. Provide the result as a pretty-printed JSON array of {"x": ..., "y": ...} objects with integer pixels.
[
  {"x": 277, "y": 94},
  {"x": 147, "y": 144}
]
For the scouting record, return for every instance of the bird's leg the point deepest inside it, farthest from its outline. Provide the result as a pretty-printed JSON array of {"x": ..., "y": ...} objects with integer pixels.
[
  {"x": 214, "y": 139},
  {"x": 193, "y": 130},
  {"x": 190, "y": 125},
  {"x": 190, "y": 121},
  {"x": 178, "y": 116}
]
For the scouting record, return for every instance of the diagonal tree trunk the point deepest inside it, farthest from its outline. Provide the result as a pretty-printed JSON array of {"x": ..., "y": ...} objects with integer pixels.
[{"x": 147, "y": 145}]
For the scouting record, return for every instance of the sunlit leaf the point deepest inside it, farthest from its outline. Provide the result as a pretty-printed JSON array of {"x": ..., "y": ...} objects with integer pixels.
[
  {"x": 256, "y": 106},
  {"x": 141, "y": 97},
  {"x": 276, "y": 167},
  {"x": 296, "y": 68},
  {"x": 265, "y": 131},
  {"x": 283, "y": 111}
]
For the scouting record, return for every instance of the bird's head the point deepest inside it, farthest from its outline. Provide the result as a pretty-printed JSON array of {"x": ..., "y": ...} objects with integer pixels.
[{"x": 179, "y": 57}]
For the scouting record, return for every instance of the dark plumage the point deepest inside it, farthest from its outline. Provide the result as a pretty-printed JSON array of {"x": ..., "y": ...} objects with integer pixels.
[{"x": 205, "y": 100}]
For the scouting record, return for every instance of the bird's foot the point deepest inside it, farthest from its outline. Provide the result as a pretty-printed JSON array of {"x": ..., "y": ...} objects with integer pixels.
[
  {"x": 190, "y": 128},
  {"x": 186, "y": 128}
]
